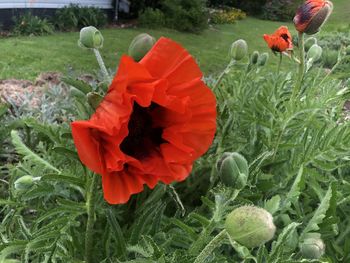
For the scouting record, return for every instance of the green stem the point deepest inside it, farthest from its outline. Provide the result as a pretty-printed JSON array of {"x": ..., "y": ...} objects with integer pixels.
[
  {"x": 226, "y": 70},
  {"x": 102, "y": 64},
  {"x": 214, "y": 243},
  {"x": 301, "y": 72},
  {"x": 90, "y": 205},
  {"x": 279, "y": 64}
]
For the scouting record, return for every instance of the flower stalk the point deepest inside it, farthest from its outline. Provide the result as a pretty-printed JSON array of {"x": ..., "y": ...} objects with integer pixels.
[
  {"x": 90, "y": 206},
  {"x": 214, "y": 243},
  {"x": 101, "y": 64},
  {"x": 301, "y": 71}
]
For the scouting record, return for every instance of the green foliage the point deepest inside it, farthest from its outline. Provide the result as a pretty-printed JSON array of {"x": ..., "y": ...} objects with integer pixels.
[
  {"x": 75, "y": 17},
  {"x": 280, "y": 10},
  {"x": 152, "y": 18},
  {"x": 29, "y": 24}
]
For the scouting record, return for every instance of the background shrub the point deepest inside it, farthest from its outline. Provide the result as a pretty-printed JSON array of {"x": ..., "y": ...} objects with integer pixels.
[
  {"x": 75, "y": 17},
  {"x": 139, "y": 6},
  {"x": 185, "y": 15},
  {"x": 152, "y": 18},
  {"x": 280, "y": 10},
  {"x": 227, "y": 15},
  {"x": 29, "y": 24}
]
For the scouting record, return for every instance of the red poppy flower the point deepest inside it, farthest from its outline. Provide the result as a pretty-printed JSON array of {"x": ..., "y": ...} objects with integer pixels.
[
  {"x": 156, "y": 119},
  {"x": 311, "y": 15},
  {"x": 280, "y": 41}
]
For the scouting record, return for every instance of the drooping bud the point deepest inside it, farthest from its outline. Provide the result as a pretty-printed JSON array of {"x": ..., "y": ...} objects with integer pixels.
[
  {"x": 314, "y": 53},
  {"x": 263, "y": 58},
  {"x": 347, "y": 50},
  {"x": 250, "y": 226},
  {"x": 254, "y": 58},
  {"x": 90, "y": 37},
  {"x": 310, "y": 42},
  {"x": 312, "y": 15},
  {"x": 233, "y": 170},
  {"x": 140, "y": 46},
  {"x": 312, "y": 248},
  {"x": 94, "y": 99},
  {"x": 25, "y": 182},
  {"x": 239, "y": 49}
]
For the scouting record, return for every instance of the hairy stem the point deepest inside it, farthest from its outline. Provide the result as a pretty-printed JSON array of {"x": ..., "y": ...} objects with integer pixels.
[
  {"x": 102, "y": 64},
  {"x": 301, "y": 71},
  {"x": 214, "y": 243},
  {"x": 222, "y": 75},
  {"x": 279, "y": 63},
  {"x": 90, "y": 205}
]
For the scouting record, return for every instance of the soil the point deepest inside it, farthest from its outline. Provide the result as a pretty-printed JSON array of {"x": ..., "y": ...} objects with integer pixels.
[{"x": 17, "y": 92}]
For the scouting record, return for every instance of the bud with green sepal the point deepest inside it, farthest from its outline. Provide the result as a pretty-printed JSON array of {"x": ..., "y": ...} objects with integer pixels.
[
  {"x": 309, "y": 43},
  {"x": 233, "y": 170},
  {"x": 312, "y": 246},
  {"x": 239, "y": 49},
  {"x": 90, "y": 37},
  {"x": 25, "y": 182},
  {"x": 140, "y": 46},
  {"x": 263, "y": 58},
  {"x": 250, "y": 226},
  {"x": 314, "y": 53},
  {"x": 254, "y": 57}
]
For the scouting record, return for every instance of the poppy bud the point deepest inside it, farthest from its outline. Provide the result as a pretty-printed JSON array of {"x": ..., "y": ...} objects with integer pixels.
[
  {"x": 140, "y": 46},
  {"x": 254, "y": 57},
  {"x": 312, "y": 248},
  {"x": 314, "y": 53},
  {"x": 94, "y": 99},
  {"x": 90, "y": 37},
  {"x": 312, "y": 15},
  {"x": 263, "y": 58},
  {"x": 310, "y": 42},
  {"x": 239, "y": 49},
  {"x": 250, "y": 226},
  {"x": 233, "y": 170},
  {"x": 25, "y": 182}
]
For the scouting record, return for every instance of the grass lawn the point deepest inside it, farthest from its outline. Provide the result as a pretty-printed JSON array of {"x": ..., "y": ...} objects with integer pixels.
[{"x": 26, "y": 57}]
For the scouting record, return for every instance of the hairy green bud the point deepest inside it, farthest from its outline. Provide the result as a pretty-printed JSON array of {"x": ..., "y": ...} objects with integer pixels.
[
  {"x": 314, "y": 53},
  {"x": 310, "y": 42},
  {"x": 90, "y": 37},
  {"x": 263, "y": 58},
  {"x": 250, "y": 226},
  {"x": 25, "y": 182},
  {"x": 312, "y": 248},
  {"x": 233, "y": 170},
  {"x": 239, "y": 49},
  {"x": 140, "y": 46},
  {"x": 254, "y": 58}
]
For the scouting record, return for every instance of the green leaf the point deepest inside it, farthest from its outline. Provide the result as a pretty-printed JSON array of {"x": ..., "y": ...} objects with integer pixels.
[
  {"x": 28, "y": 154},
  {"x": 273, "y": 204},
  {"x": 319, "y": 214}
]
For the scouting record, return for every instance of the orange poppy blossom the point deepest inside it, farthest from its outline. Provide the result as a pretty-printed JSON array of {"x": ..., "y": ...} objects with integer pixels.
[
  {"x": 311, "y": 15},
  {"x": 156, "y": 119},
  {"x": 280, "y": 41}
]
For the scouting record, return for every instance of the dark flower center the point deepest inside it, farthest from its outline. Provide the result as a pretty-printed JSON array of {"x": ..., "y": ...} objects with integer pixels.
[
  {"x": 285, "y": 37},
  {"x": 144, "y": 136}
]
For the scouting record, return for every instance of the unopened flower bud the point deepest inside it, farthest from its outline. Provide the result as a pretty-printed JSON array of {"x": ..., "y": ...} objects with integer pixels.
[
  {"x": 312, "y": 15},
  {"x": 314, "y": 53},
  {"x": 25, "y": 182},
  {"x": 250, "y": 226},
  {"x": 254, "y": 57},
  {"x": 312, "y": 248},
  {"x": 239, "y": 49},
  {"x": 90, "y": 37},
  {"x": 94, "y": 99},
  {"x": 310, "y": 42},
  {"x": 140, "y": 46},
  {"x": 233, "y": 170},
  {"x": 263, "y": 58}
]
